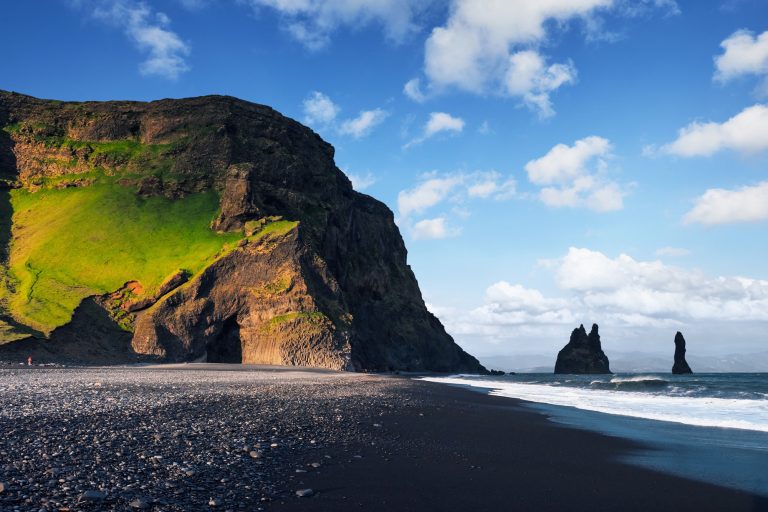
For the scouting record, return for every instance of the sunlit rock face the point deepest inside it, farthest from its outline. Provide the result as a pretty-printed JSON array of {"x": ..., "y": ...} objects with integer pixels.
[{"x": 309, "y": 271}]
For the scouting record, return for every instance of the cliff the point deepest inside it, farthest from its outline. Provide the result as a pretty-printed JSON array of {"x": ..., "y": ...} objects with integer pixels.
[
  {"x": 202, "y": 228},
  {"x": 680, "y": 366},
  {"x": 583, "y": 353}
]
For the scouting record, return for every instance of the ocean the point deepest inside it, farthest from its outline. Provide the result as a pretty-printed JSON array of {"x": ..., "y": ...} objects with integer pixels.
[{"x": 709, "y": 427}]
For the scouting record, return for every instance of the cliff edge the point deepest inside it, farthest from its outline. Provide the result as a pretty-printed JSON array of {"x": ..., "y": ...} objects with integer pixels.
[{"x": 205, "y": 228}]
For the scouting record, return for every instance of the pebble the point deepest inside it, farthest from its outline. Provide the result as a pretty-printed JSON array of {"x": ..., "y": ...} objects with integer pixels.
[
  {"x": 305, "y": 493},
  {"x": 140, "y": 504},
  {"x": 167, "y": 440},
  {"x": 92, "y": 495}
]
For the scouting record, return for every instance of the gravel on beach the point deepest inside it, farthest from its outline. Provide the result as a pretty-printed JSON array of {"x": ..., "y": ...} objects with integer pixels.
[{"x": 177, "y": 439}]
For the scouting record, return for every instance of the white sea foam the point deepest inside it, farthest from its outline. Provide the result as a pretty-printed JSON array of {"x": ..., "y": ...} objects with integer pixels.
[
  {"x": 700, "y": 411},
  {"x": 638, "y": 378}
]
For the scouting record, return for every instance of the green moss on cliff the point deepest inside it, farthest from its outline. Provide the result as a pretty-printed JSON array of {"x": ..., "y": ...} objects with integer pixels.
[{"x": 70, "y": 243}]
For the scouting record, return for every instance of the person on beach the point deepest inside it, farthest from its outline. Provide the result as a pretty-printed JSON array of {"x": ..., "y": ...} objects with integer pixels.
[{"x": 29, "y": 361}]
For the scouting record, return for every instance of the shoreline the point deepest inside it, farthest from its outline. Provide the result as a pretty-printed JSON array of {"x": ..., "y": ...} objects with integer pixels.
[{"x": 359, "y": 441}]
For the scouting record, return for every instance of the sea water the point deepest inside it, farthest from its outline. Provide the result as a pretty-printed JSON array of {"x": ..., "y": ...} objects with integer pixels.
[{"x": 709, "y": 427}]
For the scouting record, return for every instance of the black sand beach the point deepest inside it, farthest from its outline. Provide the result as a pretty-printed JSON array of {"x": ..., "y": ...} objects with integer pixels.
[{"x": 203, "y": 438}]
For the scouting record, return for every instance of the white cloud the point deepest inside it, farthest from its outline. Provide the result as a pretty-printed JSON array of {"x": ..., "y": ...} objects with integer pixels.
[
  {"x": 529, "y": 77},
  {"x": 627, "y": 286},
  {"x": 672, "y": 251},
  {"x": 439, "y": 122},
  {"x": 312, "y": 21},
  {"x": 564, "y": 163},
  {"x": 460, "y": 187},
  {"x": 363, "y": 123},
  {"x": 412, "y": 89},
  {"x": 442, "y": 122},
  {"x": 361, "y": 182},
  {"x": 744, "y": 54},
  {"x": 575, "y": 176},
  {"x": 722, "y": 206},
  {"x": 616, "y": 292},
  {"x": 148, "y": 29},
  {"x": 426, "y": 194},
  {"x": 319, "y": 109},
  {"x": 479, "y": 48},
  {"x": 432, "y": 229},
  {"x": 746, "y": 132}
]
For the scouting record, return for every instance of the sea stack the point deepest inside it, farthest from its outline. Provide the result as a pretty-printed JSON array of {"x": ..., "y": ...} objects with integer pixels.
[
  {"x": 681, "y": 365},
  {"x": 583, "y": 354}
]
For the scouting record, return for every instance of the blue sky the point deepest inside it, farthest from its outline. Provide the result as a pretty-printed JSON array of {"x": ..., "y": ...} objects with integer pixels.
[{"x": 549, "y": 163}]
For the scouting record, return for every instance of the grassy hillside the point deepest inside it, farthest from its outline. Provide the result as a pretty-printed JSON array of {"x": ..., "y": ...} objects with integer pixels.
[{"x": 70, "y": 243}]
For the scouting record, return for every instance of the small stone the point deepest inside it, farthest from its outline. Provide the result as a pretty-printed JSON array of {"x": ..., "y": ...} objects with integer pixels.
[
  {"x": 315, "y": 464},
  {"x": 3, "y": 487},
  {"x": 92, "y": 495},
  {"x": 255, "y": 454},
  {"x": 305, "y": 493},
  {"x": 214, "y": 502},
  {"x": 140, "y": 504}
]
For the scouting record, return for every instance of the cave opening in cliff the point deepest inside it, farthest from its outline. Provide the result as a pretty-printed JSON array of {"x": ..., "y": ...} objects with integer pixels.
[{"x": 226, "y": 347}]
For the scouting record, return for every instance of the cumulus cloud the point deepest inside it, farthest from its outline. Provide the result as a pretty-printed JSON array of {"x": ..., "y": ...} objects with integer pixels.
[
  {"x": 618, "y": 292},
  {"x": 574, "y": 176},
  {"x": 312, "y": 22},
  {"x": 362, "y": 125},
  {"x": 319, "y": 109},
  {"x": 722, "y": 206},
  {"x": 432, "y": 229},
  {"x": 744, "y": 53},
  {"x": 426, "y": 194},
  {"x": 149, "y": 30},
  {"x": 439, "y": 122},
  {"x": 746, "y": 132},
  {"x": 490, "y": 47},
  {"x": 530, "y": 78}
]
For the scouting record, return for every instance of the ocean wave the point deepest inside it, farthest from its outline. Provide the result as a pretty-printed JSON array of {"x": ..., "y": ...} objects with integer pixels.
[
  {"x": 638, "y": 378},
  {"x": 635, "y": 383},
  {"x": 740, "y": 413}
]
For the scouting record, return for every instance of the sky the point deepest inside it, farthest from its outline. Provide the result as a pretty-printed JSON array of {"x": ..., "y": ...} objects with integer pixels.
[{"x": 549, "y": 163}]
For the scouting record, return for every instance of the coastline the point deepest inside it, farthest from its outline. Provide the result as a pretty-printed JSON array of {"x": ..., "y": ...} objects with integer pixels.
[{"x": 359, "y": 441}]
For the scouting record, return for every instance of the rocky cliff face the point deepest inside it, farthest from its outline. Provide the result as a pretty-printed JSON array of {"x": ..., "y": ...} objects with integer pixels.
[
  {"x": 583, "y": 353},
  {"x": 316, "y": 275},
  {"x": 681, "y": 365}
]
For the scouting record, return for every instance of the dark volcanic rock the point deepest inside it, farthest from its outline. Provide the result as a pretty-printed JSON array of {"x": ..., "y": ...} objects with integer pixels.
[
  {"x": 681, "y": 365},
  {"x": 334, "y": 291},
  {"x": 583, "y": 353}
]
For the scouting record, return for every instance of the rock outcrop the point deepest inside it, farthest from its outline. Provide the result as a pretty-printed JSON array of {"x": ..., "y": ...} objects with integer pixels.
[
  {"x": 681, "y": 365},
  {"x": 319, "y": 276},
  {"x": 583, "y": 353}
]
